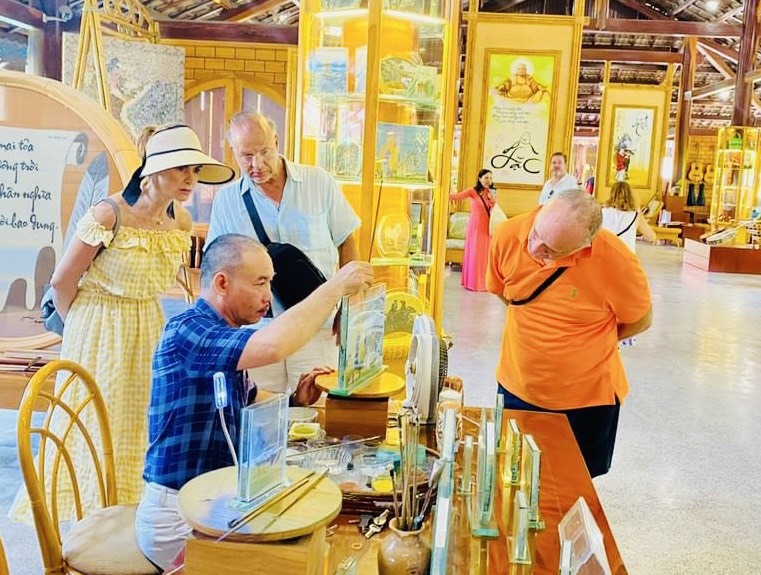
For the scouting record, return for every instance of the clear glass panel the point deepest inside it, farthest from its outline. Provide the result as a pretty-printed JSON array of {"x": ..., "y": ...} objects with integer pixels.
[{"x": 206, "y": 115}]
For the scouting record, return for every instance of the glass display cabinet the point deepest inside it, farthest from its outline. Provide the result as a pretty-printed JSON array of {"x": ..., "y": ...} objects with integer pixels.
[
  {"x": 375, "y": 108},
  {"x": 735, "y": 190}
]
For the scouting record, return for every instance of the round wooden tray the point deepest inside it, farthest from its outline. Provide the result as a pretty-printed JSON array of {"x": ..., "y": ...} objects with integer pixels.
[
  {"x": 385, "y": 385},
  {"x": 204, "y": 504}
]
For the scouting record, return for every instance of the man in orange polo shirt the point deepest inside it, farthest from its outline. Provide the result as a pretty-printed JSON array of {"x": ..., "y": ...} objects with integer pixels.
[{"x": 559, "y": 350}]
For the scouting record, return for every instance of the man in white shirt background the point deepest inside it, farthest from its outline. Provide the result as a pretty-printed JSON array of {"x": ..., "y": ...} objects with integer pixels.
[
  {"x": 559, "y": 180},
  {"x": 298, "y": 204}
]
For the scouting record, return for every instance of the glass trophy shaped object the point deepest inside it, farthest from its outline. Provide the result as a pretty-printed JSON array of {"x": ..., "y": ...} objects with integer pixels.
[
  {"x": 442, "y": 517},
  {"x": 518, "y": 540},
  {"x": 392, "y": 237},
  {"x": 530, "y": 470},
  {"x": 360, "y": 355},
  {"x": 467, "y": 465},
  {"x": 511, "y": 471},
  {"x": 499, "y": 408},
  {"x": 581, "y": 543},
  {"x": 482, "y": 522},
  {"x": 261, "y": 454}
]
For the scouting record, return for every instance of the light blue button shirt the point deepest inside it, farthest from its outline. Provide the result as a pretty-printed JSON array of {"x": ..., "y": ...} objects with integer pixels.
[{"x": 313, "y": 215}]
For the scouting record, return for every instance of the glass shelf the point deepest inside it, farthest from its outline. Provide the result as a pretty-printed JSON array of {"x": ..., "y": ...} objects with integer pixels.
[
  {"x": 413, "y": 262},
  {"x": 336, "y": 99},
  {"x": 351, "y": 13}
]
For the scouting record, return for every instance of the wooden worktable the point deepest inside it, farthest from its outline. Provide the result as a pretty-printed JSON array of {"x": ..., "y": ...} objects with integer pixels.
[{"x": 564, "y": 478}]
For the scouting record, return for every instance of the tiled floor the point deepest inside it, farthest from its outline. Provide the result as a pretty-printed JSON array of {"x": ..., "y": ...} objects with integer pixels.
[{"x": 682, "y": 496}]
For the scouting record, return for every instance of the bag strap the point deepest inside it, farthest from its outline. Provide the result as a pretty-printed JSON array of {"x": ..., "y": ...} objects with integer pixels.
[
  {"x": 626, "y": 229},
  {"x": 483, "y": 201},
  {"x": 255, "y": 219},
  {"x": 117, "y": 224},
  {"x": 544, "y": 285}
]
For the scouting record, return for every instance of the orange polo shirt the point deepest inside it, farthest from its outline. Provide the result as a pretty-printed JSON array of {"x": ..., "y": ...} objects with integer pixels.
[{"x": 560, "y": 350}]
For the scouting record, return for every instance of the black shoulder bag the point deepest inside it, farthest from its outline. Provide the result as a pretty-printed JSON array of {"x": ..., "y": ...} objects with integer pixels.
[
  {"x": 50, "y": 316},
  {"x": 543, "y": 286},
  {"x": 296, "y": 276}
]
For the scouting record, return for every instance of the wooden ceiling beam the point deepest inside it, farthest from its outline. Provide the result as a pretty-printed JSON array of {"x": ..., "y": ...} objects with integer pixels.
[
  {"x": 229, "y": 32},
  {"x": 729, "y": 14},
  {"x": 724, "y": 51},
  {"x": 642, "y": 9},
  {"x": 723, "y": 68},
  {"x": 20, "y": 15},
  {"x": 636, "y": 56},
  {"x": 713, "y": 89},
  {"x": 250, "y": 10},
  {"x": 718, "y": 63},
  {"x": 226, "y": 4},
  {"x": 681, "y": 7},
  {"x": 670, "y": 28}
]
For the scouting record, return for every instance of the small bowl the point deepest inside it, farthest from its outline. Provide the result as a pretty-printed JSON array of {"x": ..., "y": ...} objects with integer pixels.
[
  {"x": 301, "y": 414},
  {"x": 304, "y": 430}
]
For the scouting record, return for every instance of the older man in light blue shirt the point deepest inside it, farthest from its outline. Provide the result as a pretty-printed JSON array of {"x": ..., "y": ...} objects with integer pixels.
[{"x": 298, "y": 204}]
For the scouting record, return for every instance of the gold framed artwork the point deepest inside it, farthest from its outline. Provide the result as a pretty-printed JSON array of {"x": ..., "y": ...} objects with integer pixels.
[
  {"x": 632, "y": 140},
  {"x": 519, "y": 111}
]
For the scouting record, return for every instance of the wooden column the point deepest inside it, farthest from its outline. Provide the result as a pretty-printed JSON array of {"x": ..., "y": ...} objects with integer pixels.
[
  {"x": 746, "y": 61},
  {"x": 52, "y": 41},
  {"x": 686, "y": 86}
]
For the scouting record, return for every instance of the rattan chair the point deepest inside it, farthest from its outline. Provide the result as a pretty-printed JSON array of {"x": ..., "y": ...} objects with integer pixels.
[{"x": 102, "y": 543}]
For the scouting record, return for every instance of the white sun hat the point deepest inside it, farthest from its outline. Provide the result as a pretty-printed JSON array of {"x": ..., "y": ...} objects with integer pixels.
[{"x": 178, "y": 146}]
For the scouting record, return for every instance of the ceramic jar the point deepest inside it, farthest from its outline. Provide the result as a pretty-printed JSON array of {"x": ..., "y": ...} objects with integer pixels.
[{"x": 403, "y": 552}]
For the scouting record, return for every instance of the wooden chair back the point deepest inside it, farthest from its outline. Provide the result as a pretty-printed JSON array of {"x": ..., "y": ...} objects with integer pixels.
[{"x": 45, "y": 469}]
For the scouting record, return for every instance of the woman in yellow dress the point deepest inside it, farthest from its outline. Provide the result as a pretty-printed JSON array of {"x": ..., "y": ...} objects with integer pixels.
[{"x": 106, "y": 289}]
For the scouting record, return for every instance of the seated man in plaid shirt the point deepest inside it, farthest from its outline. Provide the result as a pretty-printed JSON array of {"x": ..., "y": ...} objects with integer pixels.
[{"x": 185, "y": 434}]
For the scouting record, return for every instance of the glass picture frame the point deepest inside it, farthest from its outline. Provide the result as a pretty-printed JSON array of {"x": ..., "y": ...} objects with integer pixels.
[{"x": 261, "y": 452}]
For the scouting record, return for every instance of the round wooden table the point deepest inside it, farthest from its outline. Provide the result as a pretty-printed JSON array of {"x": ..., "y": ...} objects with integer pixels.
[
  {"x": 205, "y": 505},
  {"x": 385, "y": 385}
]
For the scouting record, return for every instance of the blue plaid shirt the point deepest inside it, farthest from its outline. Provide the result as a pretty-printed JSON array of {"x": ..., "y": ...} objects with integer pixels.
[{"x": 184, "y": 431}]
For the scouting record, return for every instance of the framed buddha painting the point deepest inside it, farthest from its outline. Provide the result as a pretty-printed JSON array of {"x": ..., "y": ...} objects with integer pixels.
[{"x": 520, "y": 101}]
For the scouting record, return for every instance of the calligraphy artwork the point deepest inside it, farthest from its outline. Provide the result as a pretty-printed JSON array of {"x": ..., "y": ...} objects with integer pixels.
[
  {"x": 520, "y": 99},
  {"x": 631, "y": 146},
  {"x": 31, "y": 224}
]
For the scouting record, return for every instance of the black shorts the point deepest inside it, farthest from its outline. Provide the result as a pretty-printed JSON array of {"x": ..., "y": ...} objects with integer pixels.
[{"x": 594, "y": 428}]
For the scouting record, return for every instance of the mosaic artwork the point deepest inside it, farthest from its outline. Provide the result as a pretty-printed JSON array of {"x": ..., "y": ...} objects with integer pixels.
[{"x": 146, "y": 81}]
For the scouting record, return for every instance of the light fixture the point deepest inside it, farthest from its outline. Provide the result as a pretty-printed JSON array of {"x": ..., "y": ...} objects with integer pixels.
[
  {"x": 712, "y": 5},
  {"x": 724, "y": 95}
]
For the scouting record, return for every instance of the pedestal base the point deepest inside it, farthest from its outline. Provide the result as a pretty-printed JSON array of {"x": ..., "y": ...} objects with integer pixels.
[
  {"x": 300, "y": 556},
  {"x": 353, "y": 416}
]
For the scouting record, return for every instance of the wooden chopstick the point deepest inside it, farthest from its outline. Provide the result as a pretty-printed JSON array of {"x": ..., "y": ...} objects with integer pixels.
[
  {"x": 236, "y": 524},
  {"x": 307, "y": 488}
]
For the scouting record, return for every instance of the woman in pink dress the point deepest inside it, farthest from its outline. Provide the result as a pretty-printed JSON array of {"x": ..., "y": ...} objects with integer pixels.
[{"x": 477, "y": 235}]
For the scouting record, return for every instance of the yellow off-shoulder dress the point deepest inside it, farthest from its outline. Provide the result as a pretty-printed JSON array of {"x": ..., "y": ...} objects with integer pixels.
[{"x": 111, "y": 329}]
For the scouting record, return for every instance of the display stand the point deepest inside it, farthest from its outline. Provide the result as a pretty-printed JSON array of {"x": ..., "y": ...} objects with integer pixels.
[
  {"x": 735, "y": 189},
  {"x": 511, "y": 469},
  {"x": 481, "y": 505},
  {"x": 288, "y": 544},
  {"x": 518, "y": 540},
  {"x": 531, "y": 466},
  {"x": 365, "y": 412},
  {"x": 376, "y": 108}
]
